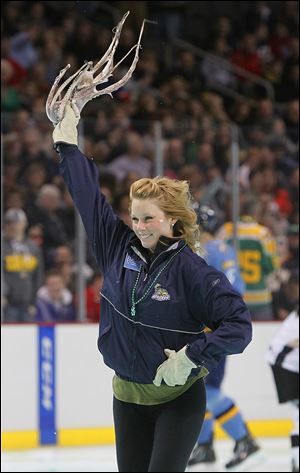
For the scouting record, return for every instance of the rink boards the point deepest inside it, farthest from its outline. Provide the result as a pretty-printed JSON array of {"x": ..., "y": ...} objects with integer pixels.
[{"x": 56, "y": 390}]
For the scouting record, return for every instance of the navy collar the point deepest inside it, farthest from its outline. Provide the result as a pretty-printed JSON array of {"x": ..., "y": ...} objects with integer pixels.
[{"x": 162, "y": 245}]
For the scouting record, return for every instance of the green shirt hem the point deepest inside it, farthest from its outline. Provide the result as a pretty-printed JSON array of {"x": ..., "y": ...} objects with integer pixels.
[{"x": 149, "y": 394}]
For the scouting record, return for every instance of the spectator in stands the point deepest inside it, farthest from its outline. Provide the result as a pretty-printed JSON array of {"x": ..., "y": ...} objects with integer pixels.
[
  {"x": 258, "y": 12},
  {"x": 44, "y": 213},
  {"x": 34, "y": 178},
  {"x": 291, "y": 119},
  {"x": 215, "y": 192},
  {"x": 54, "y": 301},
  {"x": 173, "y": 157},
  {"x": 214, "y": 105},
  {"x": 66, "y": 213},
  {"x": 147, "y": 112},
  {"x": 36, "y": 234},
  {"x": 191, "y": 173},
  {"x": 22, "y": 269},
  {"x": 187, "y": 67},
  {"x": 10, "y": 98},
  {"x": 287, "y": 298},
  {"x": 265, "y": 115},
  {"x": 280, "y": 41},
  {"x": 32, "y": 150},
  {"x": 109, "y": 186},
  {"x": 292, "y": 260},
  {"x": 246, "y": 56},
  {"x": 279, "y": 135},
  {"x": 222, "y": 146},
  {"x": 14, "y": 198},
  {"x": 82, "y": 40},
  {"x": 12, "y": 169},
  {"x": 223, "y": 28},
  {"x": 23, "y": 45},
  {"x": 93, "y": 297},
  {"x": 216, "y": 71},
  {"x": 62, "y": 260},
  {"x": 132, "y": 160},
  {"x": 121, "y": 207},
  {"x": 205, "y": 157},
  {"x": 251, "y": 163},
  {"x": 293, "y": 188},
  {"x": 170, "y": 18}
]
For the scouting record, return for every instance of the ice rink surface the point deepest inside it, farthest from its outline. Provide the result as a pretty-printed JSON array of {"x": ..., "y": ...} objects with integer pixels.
[{"x": 275, "y": 456}]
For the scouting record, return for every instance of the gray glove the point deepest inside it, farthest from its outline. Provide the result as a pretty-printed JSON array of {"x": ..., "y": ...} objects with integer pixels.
[
  {"x": 175, "y": 370},
  {"x": 66, "y": 130}
]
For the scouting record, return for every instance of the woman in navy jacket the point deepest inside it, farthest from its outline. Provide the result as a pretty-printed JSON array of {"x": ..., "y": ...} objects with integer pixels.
[{"x": 157, "y": 297}]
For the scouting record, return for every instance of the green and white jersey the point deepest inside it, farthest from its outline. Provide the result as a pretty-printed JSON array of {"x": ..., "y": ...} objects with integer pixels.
[{"x": 257, "y": 259}]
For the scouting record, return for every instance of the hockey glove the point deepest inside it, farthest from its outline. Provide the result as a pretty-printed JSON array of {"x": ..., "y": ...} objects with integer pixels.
[
  {"x": 66, "y": 130},
  {"x": 175, "y": 370}
]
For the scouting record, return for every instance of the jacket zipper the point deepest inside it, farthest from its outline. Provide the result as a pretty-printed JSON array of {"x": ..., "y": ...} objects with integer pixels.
[{"x": 147, "y": 273}]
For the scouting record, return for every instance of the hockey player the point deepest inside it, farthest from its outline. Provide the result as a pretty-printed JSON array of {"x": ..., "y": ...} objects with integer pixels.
[
  {"x": 220, "y": 407},
  {"x": 283, "y": 357},
  {"x": 257, "y": 260}
]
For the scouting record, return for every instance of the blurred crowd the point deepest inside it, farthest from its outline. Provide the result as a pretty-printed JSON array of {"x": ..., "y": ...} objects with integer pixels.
[{"x": 183, "y": 91}]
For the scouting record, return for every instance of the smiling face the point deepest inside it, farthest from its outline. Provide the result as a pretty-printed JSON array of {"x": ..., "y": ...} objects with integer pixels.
[{"x": 149, "y": 222}]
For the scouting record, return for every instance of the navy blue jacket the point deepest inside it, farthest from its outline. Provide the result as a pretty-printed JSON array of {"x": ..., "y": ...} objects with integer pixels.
[{"x": 185, "y": 297}]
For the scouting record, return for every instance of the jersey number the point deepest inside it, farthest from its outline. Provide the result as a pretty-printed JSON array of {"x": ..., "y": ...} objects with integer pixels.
[{"x": 250, "y": 263}]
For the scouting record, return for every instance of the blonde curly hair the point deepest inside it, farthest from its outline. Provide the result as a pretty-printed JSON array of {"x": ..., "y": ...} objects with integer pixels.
[{"x": 174, "y": 199}]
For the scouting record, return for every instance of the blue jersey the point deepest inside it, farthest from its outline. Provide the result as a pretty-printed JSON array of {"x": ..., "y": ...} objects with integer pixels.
[{"x": 222, "y": 256}]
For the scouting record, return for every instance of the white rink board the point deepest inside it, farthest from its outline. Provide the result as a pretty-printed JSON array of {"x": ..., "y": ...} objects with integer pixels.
[
  {"x": 83, "y": 382},
  {"x": 19, "y": 377}
]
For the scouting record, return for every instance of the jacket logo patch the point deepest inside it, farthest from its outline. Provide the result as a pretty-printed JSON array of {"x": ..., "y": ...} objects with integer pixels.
[
  {"x": 160, "y": 294},
  {"x": 130, "y": 263}
]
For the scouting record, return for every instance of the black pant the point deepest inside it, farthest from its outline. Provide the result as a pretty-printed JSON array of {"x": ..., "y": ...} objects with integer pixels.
[{"x": 161, "y": 437}]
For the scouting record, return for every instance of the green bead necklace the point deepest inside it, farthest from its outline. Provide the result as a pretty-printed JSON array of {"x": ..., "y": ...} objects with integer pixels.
[{"x": 133, "y": 302}]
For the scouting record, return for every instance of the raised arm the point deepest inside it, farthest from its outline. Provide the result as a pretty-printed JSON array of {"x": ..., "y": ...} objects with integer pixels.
[{"x": 107, "y": 234}]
